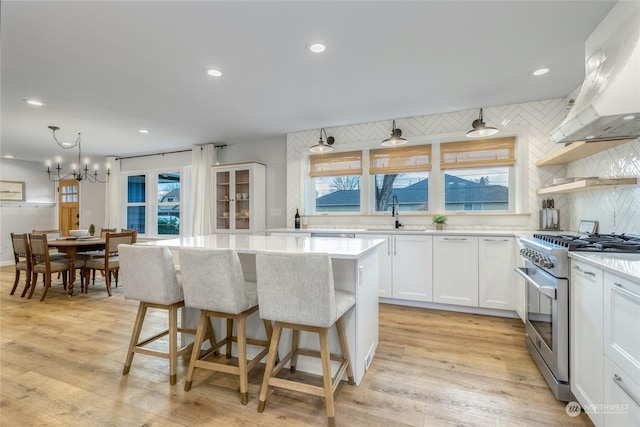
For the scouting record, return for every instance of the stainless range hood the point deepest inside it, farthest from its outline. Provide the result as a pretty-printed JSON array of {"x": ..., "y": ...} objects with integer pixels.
[{"x": 608, "y": 103}]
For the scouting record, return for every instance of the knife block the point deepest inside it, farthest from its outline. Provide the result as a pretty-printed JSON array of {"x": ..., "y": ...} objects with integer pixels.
[{"x": 550, "y": 215}]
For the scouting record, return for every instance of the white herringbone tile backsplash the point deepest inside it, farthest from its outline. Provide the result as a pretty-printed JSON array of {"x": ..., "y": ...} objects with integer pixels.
[{"x": 532, "y": 122}]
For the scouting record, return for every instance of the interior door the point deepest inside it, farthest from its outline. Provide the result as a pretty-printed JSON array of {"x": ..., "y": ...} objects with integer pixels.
[{"x": 69, "y": 206}]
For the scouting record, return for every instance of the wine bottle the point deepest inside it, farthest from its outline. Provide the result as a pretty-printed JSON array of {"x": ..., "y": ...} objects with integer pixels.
[{"x": 297, "y": 219}]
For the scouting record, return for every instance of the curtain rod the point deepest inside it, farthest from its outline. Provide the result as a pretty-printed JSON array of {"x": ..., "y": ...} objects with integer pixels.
[{"x": 167, "y": 152}]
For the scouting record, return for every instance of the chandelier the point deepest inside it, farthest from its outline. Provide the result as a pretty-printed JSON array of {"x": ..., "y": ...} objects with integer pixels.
[{"x": 80, "y": 174}]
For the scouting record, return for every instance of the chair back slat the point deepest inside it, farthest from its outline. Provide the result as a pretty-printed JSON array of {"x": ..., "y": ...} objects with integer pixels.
[
  {"x": 296, "y": 288},
  {"x": 212, "y": 279},
  {"x": 20, "y": 242}
]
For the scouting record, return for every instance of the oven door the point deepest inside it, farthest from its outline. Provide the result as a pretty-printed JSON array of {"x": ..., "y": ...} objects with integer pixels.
[{"x": 547, "y": 318}]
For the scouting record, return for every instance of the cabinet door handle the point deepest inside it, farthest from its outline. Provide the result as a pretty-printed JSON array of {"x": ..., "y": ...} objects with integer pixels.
[
  {"x": 588, "y": 273},
  {"x": 454, "y": 238},
  {"x": 627, "y": 292},
  {"x": 395, "y": 247},
  {"x": 496, "y": 240},
  {"x": 618, "y": 380},
  {"x": 389, "y": 245}
]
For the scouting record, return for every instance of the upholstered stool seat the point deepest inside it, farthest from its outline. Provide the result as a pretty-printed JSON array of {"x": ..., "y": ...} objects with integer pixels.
[
  {"x": 297, "y": 292},
  {"x": 214, "y": 283},
  {"x": 149, "y": 276}
]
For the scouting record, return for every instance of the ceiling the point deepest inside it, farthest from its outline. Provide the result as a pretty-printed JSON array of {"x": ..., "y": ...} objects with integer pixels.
[{"x": 108, "y": 69}]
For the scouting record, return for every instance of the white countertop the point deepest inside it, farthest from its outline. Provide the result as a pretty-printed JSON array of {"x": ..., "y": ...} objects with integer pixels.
[
  {"x": 621, "y": 264},
  {"x": 420, "y": 231},
  {"x": 249, "y": 244}
]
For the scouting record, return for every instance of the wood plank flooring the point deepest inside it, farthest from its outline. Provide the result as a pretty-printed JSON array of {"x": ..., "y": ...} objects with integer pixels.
[{"x": 61, "y": 364}]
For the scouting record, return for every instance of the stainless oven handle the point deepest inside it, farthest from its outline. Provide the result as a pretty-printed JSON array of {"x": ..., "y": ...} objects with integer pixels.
[
  {"x": 545, "y": 290},
  {"x": 618, "y": 380}
]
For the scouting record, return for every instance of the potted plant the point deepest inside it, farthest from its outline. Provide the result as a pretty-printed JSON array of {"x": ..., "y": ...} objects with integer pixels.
[
  {"x": 439, "y": 221},
  {"x": 92, "y": 229}
]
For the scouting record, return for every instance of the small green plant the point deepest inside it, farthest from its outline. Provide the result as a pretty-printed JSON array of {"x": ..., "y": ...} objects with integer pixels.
[
  {"x": 92, "y": 229},
  {"x": 439, "y": 219}
]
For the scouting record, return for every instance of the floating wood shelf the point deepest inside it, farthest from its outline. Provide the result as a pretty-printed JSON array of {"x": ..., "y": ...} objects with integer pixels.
[
  {"x": 587, "y": 184},
  {"x": 578, "y": 150}
]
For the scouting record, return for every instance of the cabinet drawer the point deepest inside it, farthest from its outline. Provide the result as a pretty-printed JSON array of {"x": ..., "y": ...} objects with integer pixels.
[
  {"x": 621, "y": 322},
  {"x": 621, "y": 396}
]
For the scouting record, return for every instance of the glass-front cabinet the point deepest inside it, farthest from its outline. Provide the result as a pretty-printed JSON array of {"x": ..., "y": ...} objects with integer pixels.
[{"x": 240, "y": 197}]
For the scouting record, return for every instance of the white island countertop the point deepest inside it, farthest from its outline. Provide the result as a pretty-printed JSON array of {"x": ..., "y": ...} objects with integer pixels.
[
  {"x": 621, "y": 264},
  {"x": 249, "y": 244}
]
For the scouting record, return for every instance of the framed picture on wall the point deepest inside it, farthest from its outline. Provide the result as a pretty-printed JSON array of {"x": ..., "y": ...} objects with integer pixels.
[{"x": 12, "y": 191}]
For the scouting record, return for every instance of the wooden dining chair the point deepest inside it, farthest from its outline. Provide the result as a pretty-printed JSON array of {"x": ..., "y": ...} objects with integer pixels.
[
  {"x": 87, "y": 255},
  {"x": 110, "y": 263},
  {"x": 131, "y": 230},
  {"x": 42, "y": 263},
  {"x": 22, "y": 258}
]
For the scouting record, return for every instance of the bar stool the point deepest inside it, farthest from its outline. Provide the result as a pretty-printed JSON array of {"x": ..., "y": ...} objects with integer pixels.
[
  {"x": 297, "y": 292},
  {"x": 214, "y": 283},
  {"x": 149, "y": 276}
]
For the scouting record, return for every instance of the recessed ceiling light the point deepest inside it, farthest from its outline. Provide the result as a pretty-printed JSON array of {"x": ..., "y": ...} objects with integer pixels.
[
  {"x": 34, "y": 102},
  {"x": 317, "y": 48},
  {"x": 629, "y": 117},
  {"x": 8, "y": 156},
  {"x": 143, "y": 131},
  {"x": 214, "y": 73},
  {"x": 540, "y": 71},
  {"x": 589, "y": 137}
]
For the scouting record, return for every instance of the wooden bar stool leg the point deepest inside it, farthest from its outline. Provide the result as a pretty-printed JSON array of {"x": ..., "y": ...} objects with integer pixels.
[
  {"x": 326, "y": 376},
  {"x": 268, "y": 369},
  {"x": 135, "y": 337},
  {"x": 295, "y": 342},
  {"x": 203, "y": 324},
  {"x": 345, "y": 349},
  {"x": 173, "y": 344},
  {"x": 229, "y": 337},
  {"x": 212, "y": 335},
  {"x": 242, "y": 359}
]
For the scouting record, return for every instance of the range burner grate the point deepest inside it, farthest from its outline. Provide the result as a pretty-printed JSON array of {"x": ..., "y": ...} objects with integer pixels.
[{"x": 594, "y": 242}]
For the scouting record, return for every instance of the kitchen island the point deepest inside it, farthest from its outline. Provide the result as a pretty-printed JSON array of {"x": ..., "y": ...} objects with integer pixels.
[{"x": 355, "y": 269}]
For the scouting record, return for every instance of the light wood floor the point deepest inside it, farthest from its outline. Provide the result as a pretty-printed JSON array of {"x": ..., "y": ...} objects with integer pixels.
[{"x": 62, "y": 359}]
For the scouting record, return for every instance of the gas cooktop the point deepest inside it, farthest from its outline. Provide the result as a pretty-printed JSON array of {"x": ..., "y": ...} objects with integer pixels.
[{"x": 594, "y": 242}]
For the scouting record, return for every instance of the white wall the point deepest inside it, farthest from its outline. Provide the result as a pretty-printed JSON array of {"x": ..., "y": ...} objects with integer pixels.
[
  {"x": 40, "y": 210},
  {"x": 272, "y": 153}
]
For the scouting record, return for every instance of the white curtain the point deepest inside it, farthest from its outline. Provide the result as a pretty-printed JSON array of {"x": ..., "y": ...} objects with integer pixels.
[
  {"x": 203, "y": 157},
  {"x": 112, "y": 195}
]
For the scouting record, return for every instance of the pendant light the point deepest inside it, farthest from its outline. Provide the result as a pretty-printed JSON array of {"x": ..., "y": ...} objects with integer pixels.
[
  {"x": 321, "y": 146},
  {"x": 395, "y": 139},
  {"x": 480, "y": 129}
]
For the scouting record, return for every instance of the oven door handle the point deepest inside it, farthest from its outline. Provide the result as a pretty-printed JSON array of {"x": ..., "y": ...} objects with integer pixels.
[{"x": 545, "y": 290}]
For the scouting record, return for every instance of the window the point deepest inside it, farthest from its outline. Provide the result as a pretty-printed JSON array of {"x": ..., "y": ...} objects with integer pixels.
[
  {"x": 336, "y": 181},
  {"x": 161, "y": 208},
  {"x": 168, "y": 203},
  {"x": 403, "y": 172},
  {"x": 136, "y": 203},
  {"x": 478, "y": 174}
]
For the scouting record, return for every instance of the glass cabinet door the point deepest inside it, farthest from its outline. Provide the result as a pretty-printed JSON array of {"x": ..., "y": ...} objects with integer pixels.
[
  {"x": 242, "y": 212},
  {"x": 223, "y": 200}
]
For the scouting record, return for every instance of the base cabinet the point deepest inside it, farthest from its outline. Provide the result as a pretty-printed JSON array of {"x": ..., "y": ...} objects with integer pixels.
[
  {"x": 405, "y": 266},
  {"x": 586, "y": 338},
  {"x": 455, "y": 270},
  {"x": 605, "y": 345},
  {"x": 496, "y": 259}
]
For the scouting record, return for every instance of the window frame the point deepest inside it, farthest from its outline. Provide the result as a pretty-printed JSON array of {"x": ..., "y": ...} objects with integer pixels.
[{"x": 152, "y": 203}]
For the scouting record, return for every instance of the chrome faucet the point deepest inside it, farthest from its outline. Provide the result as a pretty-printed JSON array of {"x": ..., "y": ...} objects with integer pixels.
[{"x": 395, "y": 211}]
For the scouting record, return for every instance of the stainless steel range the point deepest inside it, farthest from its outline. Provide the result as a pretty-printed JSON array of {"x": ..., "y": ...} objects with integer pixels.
[{"x": 546, "y": 272}]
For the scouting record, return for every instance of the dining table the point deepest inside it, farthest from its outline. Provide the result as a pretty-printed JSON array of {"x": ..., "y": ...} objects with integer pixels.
[{"x": 71, "y": 246}]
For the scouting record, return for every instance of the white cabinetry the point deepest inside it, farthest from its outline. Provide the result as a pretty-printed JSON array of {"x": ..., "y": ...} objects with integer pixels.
[
  {"x": 586, "y": 338},
  {"x": 455, "y": 272},
  {"x": 405, "y": 266},
  {"x": 239, "y": 193},
  {"x": 622, "y": 351},
  {"x": 496, "y": 259},
  {"x": 521, "y": 288}
]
